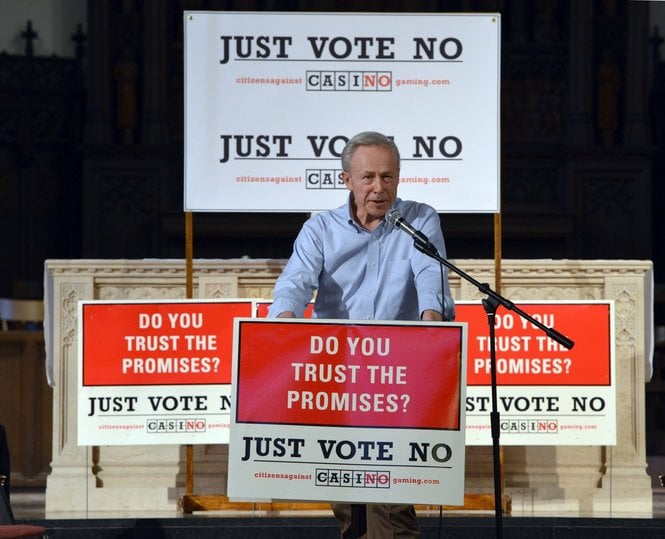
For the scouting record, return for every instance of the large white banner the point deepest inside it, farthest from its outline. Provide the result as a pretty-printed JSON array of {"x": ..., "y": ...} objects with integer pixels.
[{"x": 272, "y": 98}]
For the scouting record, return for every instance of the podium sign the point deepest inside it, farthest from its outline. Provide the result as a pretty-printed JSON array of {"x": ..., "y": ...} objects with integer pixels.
[
  {"x": 356, "y": 411},
  {"x": 156, "y": 372}
]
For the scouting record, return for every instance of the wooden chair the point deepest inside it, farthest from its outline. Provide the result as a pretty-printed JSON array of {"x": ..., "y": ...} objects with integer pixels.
[
  {"x": 9, "y": 528},
  {"x": 14, "y": 531},
  {"x": 6, "y": 514},
  {"x": 22, "y": 314},
  {"x": 17, "y": 314}
]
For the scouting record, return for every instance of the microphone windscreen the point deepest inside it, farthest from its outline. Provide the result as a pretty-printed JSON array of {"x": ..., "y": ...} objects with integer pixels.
[{"x": 393, "y": 215}]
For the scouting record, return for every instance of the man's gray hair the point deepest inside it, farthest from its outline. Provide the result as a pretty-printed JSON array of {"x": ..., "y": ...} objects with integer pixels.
[{"x": 367, "y": 138}]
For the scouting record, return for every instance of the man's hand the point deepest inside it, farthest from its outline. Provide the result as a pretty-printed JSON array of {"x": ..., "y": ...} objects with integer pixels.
[
  {"x": 431, "y": 315},
  {"x": 286, "y": 314}
]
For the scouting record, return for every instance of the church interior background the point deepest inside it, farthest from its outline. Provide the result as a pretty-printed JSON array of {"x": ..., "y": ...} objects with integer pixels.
[{"x": 91, "y": 141}]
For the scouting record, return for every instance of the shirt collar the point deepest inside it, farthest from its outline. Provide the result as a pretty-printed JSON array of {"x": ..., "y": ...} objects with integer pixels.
[{"x": 349, "y": 214}]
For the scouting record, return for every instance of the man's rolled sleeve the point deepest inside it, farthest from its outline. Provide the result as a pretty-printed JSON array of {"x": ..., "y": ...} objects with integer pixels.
[{"x": 283, "y": 304}]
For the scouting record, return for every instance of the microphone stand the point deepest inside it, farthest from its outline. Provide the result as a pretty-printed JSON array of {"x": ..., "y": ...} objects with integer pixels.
[{"x": 491, "y": 303}]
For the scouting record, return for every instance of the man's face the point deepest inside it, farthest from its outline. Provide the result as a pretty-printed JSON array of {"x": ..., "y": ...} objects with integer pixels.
[{"x": 372, "y": 178}]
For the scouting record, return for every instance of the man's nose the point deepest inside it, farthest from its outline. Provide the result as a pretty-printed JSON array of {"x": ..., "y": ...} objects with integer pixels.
[{"x": 377, "y": 185}]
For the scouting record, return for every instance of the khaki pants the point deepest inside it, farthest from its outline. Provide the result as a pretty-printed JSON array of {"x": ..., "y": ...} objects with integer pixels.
[{"x": 383, "y": 521}]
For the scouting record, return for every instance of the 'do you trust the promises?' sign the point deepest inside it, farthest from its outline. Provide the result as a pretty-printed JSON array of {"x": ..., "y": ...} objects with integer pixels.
[
  {"x": 547, "y": 395},
  {"x": 272, "y": 98},
  {"x": 346, "y": 410},
  {"x": 156, "y": 372}
]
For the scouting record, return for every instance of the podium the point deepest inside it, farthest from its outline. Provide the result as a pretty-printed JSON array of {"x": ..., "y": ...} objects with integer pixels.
[{"x": 540, "y": 481}]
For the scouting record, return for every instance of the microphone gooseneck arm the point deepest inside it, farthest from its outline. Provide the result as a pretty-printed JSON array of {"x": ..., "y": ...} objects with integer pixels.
[
  {"x": 422, "y": 243},
  {"x": 490, "y": 303}
]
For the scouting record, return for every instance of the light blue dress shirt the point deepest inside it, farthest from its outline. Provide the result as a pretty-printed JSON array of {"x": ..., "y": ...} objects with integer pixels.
[{"x": 363, "y": 275}]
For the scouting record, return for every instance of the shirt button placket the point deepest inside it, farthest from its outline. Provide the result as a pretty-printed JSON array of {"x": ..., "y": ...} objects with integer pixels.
[{"x": 372, "y": 273}]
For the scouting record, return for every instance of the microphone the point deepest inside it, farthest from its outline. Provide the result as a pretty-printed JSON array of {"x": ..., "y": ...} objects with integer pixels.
[{"x": 393, "y": 216}]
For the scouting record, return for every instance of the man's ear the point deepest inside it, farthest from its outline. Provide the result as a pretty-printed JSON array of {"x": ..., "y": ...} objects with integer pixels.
[{"x": 346, "y": 179}]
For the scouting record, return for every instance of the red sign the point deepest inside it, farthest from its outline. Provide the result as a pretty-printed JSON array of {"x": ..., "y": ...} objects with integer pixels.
[
  {"x": 263, "y": 306},
  {"x": 527, "y": 356},
  {"x": 162, "y": 343},
  {"x": 325, "y": 373}
]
